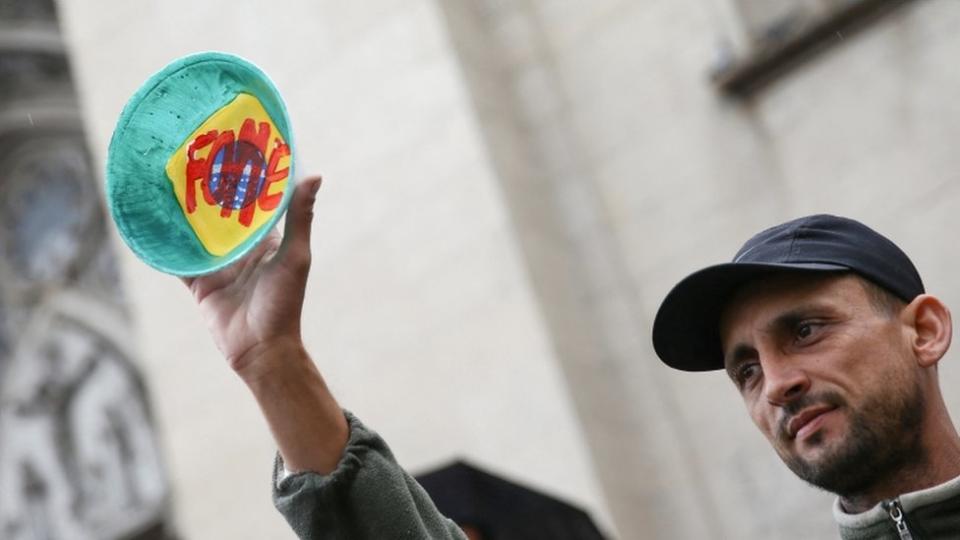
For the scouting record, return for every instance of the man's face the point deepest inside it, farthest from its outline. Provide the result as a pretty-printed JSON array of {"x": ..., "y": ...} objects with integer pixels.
[{"x": 827, "y": 376}]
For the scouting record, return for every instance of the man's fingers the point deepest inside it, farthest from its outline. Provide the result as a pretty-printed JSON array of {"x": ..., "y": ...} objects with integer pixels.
[{"x": 296, "y": 232}]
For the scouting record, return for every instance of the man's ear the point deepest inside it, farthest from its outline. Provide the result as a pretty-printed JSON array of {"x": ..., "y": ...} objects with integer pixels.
[{"x": 933, "y": 328}]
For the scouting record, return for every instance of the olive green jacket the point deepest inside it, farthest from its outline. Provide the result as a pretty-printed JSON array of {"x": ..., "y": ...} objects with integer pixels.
[
  {"x": 368, "y": 496},
  {"x": 928, "y": 514}
]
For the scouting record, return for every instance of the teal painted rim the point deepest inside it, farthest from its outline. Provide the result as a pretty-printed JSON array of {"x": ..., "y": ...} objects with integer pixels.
[{"x": 160, "y": 115}]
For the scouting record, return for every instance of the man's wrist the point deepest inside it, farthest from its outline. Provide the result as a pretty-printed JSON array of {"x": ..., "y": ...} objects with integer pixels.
[
  {"x": 307, "y": 423},
  {"x": 271, "y": 359}
]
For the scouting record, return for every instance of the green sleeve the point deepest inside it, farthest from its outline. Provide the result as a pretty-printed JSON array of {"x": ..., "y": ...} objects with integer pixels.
[{"x": 368, "y": 496}]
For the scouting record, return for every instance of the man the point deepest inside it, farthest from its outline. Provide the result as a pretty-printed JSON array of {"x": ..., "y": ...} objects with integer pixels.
[
  {"x": 824, "y": 327},
  {"x": 822, "y": 323}
]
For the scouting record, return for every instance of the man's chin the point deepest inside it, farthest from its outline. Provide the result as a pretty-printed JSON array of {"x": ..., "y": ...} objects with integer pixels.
[
  {"x": 817, "y": 452},
  {"x": 826, "y": 462},
  {"x": 827, "y": 442}
]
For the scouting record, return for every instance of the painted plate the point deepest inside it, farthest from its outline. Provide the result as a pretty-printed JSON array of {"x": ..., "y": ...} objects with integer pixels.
[{"x": 200, "y": 166}]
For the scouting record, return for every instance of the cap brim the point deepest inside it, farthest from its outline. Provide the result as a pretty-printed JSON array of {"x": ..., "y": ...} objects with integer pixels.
[{"x": 686, "y": 332}]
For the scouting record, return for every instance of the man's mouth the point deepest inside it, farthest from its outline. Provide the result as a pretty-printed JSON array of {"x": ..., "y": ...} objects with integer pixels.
[{"x": 807, "y": 421}]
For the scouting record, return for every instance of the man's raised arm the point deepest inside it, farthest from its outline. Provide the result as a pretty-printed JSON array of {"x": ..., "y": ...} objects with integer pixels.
[
  {"x": 252, "y": 309},
  {"x": 345, "y": 481}
]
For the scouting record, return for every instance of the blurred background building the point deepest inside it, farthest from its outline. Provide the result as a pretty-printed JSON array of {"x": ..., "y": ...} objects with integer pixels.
[
  {"x": 510, "y": 190},
  {"x": 79, "y": 457}
]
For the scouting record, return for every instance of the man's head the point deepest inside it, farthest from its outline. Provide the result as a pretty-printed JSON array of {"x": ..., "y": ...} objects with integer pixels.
[
  {"x": 833, "y": 378},
  {"x": 824, "y": 328}
]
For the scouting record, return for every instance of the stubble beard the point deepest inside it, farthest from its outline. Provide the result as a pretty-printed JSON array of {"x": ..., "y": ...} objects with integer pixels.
[{"x": 883, "y": 439}]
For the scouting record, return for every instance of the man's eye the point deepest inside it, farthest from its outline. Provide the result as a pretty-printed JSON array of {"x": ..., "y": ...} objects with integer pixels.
[
  {"x": 747, "y": 372},
  {"x": 806, "y": 329}
]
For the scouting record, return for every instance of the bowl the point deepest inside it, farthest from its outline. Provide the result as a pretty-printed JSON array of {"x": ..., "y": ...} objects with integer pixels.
[{"x": 200, "y": 165}]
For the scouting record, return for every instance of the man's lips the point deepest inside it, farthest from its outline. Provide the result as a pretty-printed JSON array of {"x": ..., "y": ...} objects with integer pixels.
[{"x": 806, "y": 418}]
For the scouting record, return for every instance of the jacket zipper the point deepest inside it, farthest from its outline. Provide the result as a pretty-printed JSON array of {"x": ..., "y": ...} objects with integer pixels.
[{"x": 895, "y": 511}]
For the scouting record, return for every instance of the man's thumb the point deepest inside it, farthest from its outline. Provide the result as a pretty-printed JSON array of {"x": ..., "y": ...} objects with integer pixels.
[{"x": 296, "y": 232}]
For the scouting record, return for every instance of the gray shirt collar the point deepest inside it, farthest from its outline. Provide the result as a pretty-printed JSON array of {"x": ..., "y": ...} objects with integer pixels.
[{"x": 909, "y": 501}]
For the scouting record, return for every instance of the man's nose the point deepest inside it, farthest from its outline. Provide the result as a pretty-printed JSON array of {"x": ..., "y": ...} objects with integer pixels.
[{"x": 783, "y": 382}]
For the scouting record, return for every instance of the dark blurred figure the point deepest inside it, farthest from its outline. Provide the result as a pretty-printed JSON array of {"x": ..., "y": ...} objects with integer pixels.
[{"x": 488, "y": 507}]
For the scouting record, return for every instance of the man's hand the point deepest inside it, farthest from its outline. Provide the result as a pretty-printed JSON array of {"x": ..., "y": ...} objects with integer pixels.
[
  {"x": 253, "y": 311},
  {"x": 255, "y": 304}
]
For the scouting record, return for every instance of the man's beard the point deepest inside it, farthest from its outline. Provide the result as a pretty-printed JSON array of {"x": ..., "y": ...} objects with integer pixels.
[{"x": 884, "y": 437}]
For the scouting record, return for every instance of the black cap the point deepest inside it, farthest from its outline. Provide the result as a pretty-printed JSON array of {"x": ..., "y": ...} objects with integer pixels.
[{"x": 686, "y": 331}]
